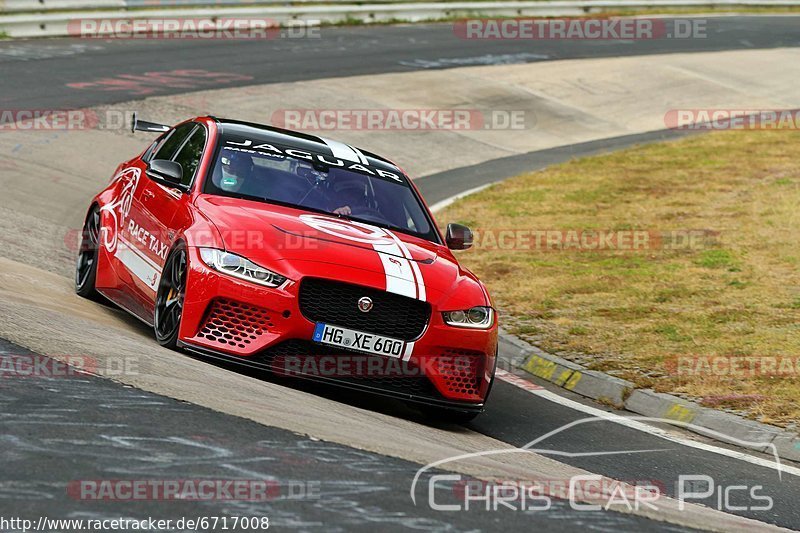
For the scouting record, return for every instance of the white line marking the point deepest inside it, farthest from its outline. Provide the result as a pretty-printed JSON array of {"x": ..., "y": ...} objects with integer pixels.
[
  {"x": 632, "y": 423},
  {"x": 448, "y": 201}
]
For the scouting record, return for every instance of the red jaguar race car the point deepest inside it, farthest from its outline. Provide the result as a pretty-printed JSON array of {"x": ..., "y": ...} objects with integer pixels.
[{"x": 295, "y": 253}]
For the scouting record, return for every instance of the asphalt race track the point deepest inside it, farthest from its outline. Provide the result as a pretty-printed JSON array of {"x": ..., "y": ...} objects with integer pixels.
[
  {"x": 357, "y": 489},
  {"x": 339, "y": 52},
  {"x": 56, "y": 431}
]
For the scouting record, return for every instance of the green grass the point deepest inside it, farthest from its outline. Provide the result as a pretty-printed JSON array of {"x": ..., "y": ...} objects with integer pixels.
[
  {"x": 716, "y": 259},
  {"x": 634, "y": 311}
]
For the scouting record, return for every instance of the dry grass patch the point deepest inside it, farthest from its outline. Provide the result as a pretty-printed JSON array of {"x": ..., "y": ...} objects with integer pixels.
[{"x": 634, "y": 312}]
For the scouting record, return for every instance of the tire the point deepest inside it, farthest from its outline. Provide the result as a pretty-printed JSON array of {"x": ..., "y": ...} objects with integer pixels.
[
  {"x": 86, "y": 265},
  {"x": 170, "y": 297}
]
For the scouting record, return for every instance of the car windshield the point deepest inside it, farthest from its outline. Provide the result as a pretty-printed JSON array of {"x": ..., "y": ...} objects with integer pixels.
[{"x": 318, "y": 183}]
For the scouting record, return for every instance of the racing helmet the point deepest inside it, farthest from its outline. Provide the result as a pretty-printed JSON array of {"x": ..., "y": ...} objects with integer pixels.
[{"x": 236, "y": 167}]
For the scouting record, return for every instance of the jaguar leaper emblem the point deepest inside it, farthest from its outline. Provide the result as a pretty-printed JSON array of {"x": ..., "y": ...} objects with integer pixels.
[{"x": 365, "y": 304}]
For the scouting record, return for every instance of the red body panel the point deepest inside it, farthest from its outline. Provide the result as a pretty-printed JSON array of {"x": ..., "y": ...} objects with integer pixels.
[{"x": 142, "y": 221}]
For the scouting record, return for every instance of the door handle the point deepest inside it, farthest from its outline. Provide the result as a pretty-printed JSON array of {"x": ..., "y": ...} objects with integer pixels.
[{"x": 147, "y": 195}]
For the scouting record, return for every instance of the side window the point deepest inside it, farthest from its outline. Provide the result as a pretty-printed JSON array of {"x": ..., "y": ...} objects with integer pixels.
[
  {"x": 148, "y": 154},
  {"x": 174, "y": 141},
  {"x": 189, "y": 155}
]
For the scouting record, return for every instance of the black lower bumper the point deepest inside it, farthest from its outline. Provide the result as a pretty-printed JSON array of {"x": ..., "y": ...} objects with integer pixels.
[{"x": 363, "y": 385}]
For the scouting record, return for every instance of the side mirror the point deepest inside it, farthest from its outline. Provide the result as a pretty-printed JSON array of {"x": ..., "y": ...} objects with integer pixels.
[
  {"x": 458, "y": 237},
  {"x": 166, "y": 172}
]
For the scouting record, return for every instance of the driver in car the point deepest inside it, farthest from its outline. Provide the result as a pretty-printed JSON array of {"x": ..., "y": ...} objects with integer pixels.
[
  {"x": 350, "y": 194},
  {"x": 236, "y": 168},
  {"x": 241, "y": 175}
]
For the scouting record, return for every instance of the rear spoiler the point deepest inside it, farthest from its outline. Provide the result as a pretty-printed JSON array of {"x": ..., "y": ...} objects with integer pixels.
[{"x": 142, "y": 125}]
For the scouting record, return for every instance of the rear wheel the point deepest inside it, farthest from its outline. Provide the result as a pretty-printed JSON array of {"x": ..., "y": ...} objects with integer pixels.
[
  {"x": 170, "y": 297},
  {"x": 86, "y": 267}
]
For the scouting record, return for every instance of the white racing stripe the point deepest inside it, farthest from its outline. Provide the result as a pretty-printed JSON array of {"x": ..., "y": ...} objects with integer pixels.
[
  {"x": 138, "y": 263},
  {"x": 360, "y": 156},
  {"x": 343, "y": 151},
  {"x": 398, "y": 271},
  {"x": 633, "y": 423},
  {"x": 417, "y": 273},
  {"x": 403, "y": 275}
]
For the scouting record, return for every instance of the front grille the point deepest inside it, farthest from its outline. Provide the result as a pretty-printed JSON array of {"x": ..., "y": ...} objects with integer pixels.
[
  {"x": 336, "y": 303},
  {"x": 233, "y": 323},
  {"x": 387, "y": 374}
]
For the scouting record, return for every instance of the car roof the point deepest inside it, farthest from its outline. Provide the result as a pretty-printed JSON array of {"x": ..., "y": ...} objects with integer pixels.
[{"x": 303, "y": 141}]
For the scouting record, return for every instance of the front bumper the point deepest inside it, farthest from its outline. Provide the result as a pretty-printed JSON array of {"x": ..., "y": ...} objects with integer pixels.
[{"x": 226, "y": 318}]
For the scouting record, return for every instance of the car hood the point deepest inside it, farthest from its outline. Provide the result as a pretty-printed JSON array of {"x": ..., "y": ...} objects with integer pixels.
[{"x": 286, "y": 239}]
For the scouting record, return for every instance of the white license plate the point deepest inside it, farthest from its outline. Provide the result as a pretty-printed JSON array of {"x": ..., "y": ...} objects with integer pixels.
[{"x": 358, "y": 340}]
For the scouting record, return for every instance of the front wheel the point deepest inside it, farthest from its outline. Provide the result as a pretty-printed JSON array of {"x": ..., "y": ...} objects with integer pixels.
[
  {"x": 86, "y": 267},
  {"x": 170, "y": 297}
]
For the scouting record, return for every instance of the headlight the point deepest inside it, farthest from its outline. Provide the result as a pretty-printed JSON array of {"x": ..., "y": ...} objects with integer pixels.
[
  {"x": 239, "y": 267},
  {"x": 476, "y": 318}
]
